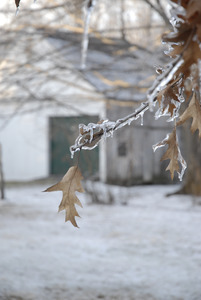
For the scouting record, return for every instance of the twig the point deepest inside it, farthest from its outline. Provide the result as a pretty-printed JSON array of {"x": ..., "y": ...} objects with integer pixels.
[{"x": 93, "y": 133}]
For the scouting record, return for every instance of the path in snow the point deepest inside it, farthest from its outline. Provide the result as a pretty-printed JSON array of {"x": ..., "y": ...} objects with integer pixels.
[{"x": 148, "y": 249}]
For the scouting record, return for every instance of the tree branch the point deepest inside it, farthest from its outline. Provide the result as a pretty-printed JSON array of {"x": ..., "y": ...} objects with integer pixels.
[{"x": 91, "y": 134}]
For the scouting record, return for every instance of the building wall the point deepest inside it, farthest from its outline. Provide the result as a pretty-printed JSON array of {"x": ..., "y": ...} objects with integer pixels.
[
  {"x": 129, "y": 155},
  {"x": 25, "y": 140}
]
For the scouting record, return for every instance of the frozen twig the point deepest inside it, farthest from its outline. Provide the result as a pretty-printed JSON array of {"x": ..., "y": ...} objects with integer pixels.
[{"x": 91, "y": 134}]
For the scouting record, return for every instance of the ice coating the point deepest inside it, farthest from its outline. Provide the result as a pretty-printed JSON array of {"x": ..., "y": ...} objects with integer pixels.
[
  {"x": 183, "y": 165},
  {"x": 161, "y": 144},
  {"x": 179, "y": 157},
  {"x": 161, "y": 81},
  {"x": 91, "y": 134}
]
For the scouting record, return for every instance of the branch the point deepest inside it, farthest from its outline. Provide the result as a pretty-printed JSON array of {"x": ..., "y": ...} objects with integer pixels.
[
  {"x": 91, "y": 134},
  {"x": 169, "y": 71}
]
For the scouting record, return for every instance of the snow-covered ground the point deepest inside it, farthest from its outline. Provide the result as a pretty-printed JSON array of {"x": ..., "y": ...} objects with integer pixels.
[{"x": 148, "y": 249}]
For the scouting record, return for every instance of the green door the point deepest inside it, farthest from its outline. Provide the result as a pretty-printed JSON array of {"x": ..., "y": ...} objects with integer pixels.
[{"x": 63, "y": 132}]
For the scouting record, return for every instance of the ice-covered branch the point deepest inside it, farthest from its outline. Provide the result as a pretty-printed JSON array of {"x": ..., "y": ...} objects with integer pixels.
[
  {"x": 166, "y": 74},
  {"x": 91, "y": 134}
]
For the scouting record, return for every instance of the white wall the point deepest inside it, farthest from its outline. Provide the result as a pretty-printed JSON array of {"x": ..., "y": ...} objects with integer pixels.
[{"x": 25, "y": 140}]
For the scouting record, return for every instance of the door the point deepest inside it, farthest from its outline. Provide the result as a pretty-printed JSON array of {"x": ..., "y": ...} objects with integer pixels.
[{"x": 63, "y": 132}]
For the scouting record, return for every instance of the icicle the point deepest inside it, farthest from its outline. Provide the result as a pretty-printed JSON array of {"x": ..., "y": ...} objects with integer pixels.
[
  {"x": 72, "y": 153},
  {"x": 85, "y": 38},
  {"x": 17, "y": 11},
  {"x": 142, "y": 118}
]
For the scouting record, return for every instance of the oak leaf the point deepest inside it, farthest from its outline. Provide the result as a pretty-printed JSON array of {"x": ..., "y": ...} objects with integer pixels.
[
  {"x": 185, "y": 40},
  {"x": 173, "y": 154},
  {"x": 69, "y": 184},
  {"x": 193, "y": 111},
  {"x": 169, "y": 94}
]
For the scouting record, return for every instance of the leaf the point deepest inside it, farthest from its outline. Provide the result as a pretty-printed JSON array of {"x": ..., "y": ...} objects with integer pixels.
[
  {"x": 69, "y": 184},
  {"x": 17, "y": 3},
  {"x": 193, "y": 111},
  {"x": 193, "y": 11},
  {"x": 185, "y": 39},
  {"x": 169, "y": 94},
  {"x": 173, "y": 154}
]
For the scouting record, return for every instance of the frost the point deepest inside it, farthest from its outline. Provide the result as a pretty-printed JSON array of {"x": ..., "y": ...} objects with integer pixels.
[
  {"x": 162, "y": 112},
  {"x": 160, "y": 144},
  {"x": 176, "y": 11},
  {"x": 161, "y": 81},
  {"x": 173, "y": 21},
  {"x": 91, "y": 134}
]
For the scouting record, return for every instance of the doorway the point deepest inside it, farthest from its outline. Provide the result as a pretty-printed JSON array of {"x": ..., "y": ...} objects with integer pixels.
[{"x": 63, "y": 132}]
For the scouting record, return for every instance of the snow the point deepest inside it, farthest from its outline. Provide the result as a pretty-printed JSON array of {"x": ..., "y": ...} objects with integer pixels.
[{"x": 148, "y": 249}]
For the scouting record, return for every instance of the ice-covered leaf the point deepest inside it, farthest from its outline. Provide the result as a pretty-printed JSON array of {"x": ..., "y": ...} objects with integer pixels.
[
  {"x": 70, "y": 183},
  {"x": 183, "y": 43},
  {"x": 173, "y": 154},
  {"x": 193, "y": 111},
  {"x": 184, "y": 50},
  {"x": 168, "y": 96}
]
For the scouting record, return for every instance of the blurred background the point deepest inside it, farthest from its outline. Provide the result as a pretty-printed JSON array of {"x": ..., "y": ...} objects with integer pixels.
[
  {"x": 51, "y": 82},
  {"x": 65, "y": 63}
]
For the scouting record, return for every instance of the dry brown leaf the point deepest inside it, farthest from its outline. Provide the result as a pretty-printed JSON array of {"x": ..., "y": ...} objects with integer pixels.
[
  {"x": 199, "y": 32},
  {"x": 193, "y": 11},
  {"x": 169, "y": 93},
  {"x": 187, "y": 47},
  {"x": 193, "y": 111},
  {"x": 69, "y": 184},
  {"x": 191, "y": 6},
  {"x": 17, "y": 3},
  {"x": 172, "y": 154},
  {"x": 185, "y": 40}
]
